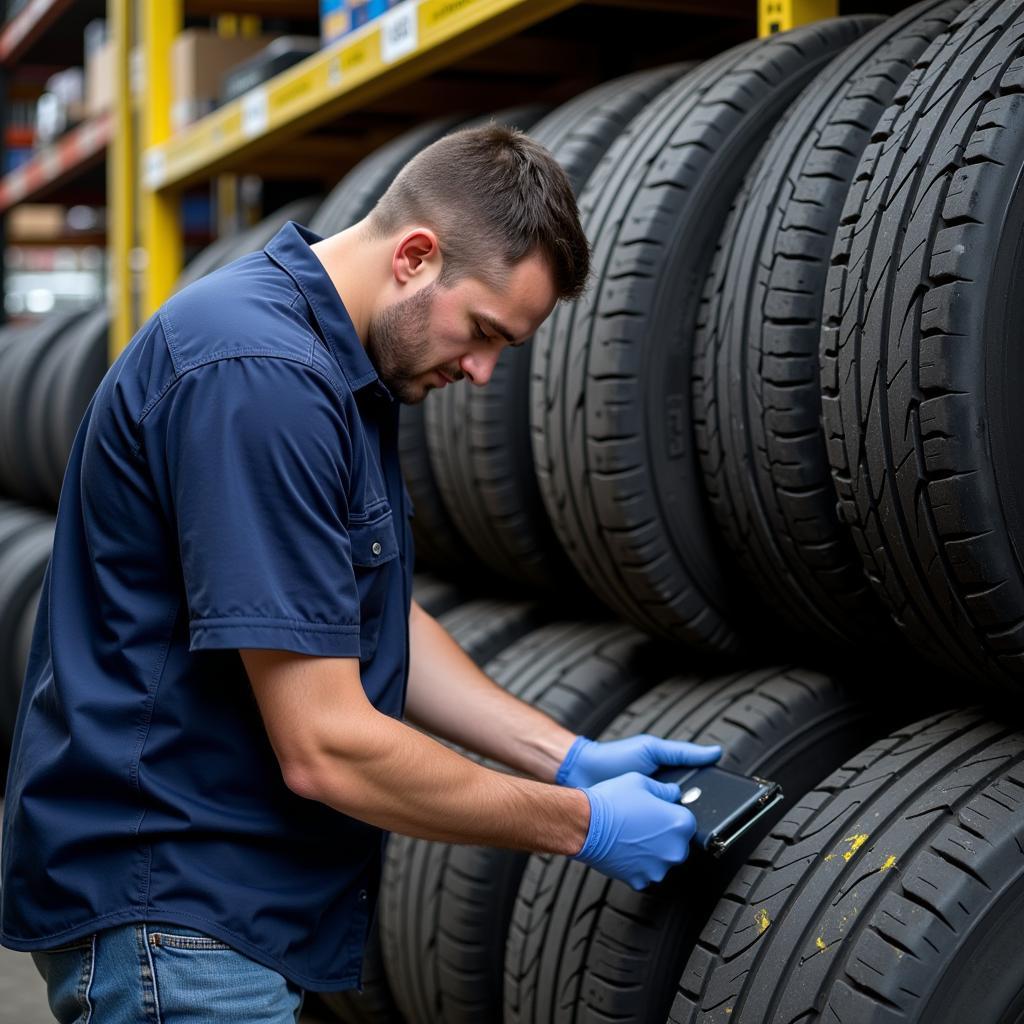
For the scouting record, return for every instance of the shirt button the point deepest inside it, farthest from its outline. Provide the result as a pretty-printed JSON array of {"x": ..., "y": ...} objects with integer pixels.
[
  {"x": 363, "y": 895},
  {"x": 376, "y": 548}
]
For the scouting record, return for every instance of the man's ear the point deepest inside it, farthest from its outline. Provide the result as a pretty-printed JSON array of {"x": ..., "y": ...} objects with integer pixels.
[{"x": 417, "y": 253}]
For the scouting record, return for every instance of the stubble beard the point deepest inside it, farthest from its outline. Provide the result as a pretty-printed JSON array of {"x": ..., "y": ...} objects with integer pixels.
[{"x": 398, "y": 345}]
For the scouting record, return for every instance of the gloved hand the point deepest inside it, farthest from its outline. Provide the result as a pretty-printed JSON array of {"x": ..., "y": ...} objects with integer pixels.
[
  {"x": 638, "y": 829},
  {"x": 588, "y": 762}
]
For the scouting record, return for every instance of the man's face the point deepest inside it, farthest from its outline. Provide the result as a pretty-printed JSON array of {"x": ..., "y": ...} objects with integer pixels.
[{"x": 440, "y": 335}]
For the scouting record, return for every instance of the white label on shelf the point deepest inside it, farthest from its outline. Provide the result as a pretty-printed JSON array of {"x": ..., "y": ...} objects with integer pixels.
[
  {"x": 399, "y": 31},
  {"x": 255, "y": 115},
  {"x": 156, "y": 168}
]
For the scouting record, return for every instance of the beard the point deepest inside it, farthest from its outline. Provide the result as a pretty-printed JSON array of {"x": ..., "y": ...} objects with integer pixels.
[{"x": 398, "y": 345}]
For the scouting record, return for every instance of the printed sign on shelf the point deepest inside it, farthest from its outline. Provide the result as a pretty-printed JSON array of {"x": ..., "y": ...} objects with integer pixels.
[{"x": 399, "y": 31}]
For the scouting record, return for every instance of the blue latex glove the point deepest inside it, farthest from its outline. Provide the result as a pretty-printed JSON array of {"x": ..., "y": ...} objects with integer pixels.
[
  {"x": 638, "y": 829},
  {"x": 589, "y": 762}
]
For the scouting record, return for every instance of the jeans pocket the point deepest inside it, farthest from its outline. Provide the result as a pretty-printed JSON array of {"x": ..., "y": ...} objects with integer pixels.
[
  {"x": 67, "y": 971},
  {"x": 181, "y": 939},
  {"x": 197, "y": 977}
]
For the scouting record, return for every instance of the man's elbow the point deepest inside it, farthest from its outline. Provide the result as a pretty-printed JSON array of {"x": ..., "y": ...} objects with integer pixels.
[
  {"x": 304, "y": 779},
  {"x": 327, "y": 773}
]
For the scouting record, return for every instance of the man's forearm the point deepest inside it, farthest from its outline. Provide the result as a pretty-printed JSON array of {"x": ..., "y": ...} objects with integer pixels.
[
  {"x": 452, "y": 698},
  {"x": 392, "y": 776}
]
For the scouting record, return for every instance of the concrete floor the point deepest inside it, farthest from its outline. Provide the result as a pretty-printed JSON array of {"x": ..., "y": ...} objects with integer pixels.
[{"x": 22, "y": 992}]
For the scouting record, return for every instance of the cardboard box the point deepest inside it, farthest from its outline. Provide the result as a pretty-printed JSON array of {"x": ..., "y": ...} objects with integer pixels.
[
  {"x": 362, "y": 11},
  {"x": 99, "y": 79},
  {"x": 339, "y": 17},
  {"x": 199, "y": 59},
  {"x": 334, "y": 20}
]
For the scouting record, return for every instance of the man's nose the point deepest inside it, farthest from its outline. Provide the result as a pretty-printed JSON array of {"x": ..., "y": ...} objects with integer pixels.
[{"x": 478, "y": 366}]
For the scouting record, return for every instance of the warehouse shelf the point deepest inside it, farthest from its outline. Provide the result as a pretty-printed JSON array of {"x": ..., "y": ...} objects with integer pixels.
[
  {"x": 56, "y": 165},
  {"x": 407, "y": 43},
  {"x": 33, "y": 22}
]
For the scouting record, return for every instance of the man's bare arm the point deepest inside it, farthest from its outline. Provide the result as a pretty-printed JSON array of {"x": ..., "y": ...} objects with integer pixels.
[
  {"x": 335, "y": 747},
  {"x": 452, "y": 698}
]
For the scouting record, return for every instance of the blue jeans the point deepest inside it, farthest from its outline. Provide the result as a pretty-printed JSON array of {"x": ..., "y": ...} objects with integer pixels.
[{"x": 162, "y": 974}]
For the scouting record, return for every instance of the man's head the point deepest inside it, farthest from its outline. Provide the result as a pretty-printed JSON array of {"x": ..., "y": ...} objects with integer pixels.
[{"x": 485, "y": 238}]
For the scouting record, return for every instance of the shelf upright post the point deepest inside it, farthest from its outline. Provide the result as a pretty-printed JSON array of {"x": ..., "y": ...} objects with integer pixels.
[
  {"x": 781, "y": 15},
  {"x": 121, "y": 175},
  {"x": 161, "y": 221}
]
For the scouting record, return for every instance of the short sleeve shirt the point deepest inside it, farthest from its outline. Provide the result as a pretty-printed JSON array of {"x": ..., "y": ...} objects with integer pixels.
[{"x": 234, "y": 484}]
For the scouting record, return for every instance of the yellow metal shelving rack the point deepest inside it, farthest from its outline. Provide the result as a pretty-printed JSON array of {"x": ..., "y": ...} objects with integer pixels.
[{"x": 411, "y": 41}]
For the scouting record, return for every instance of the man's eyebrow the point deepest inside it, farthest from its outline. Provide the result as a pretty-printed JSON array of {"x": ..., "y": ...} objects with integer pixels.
[{"x": 497, "y": 328}]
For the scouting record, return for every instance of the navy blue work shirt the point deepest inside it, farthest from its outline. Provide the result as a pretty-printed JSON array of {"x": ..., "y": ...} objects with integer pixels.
[{"x": 234, "y": 484}]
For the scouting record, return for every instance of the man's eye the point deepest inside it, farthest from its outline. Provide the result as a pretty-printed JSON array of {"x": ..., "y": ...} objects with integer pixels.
[{"x": 478, "y": 331}]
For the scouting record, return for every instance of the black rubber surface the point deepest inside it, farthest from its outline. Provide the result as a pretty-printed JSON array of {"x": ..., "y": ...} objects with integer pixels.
[
  {"x": 756, "y": 397},
  {"x": 482, "y": 629},
  {"x": 479, "y": 438},
  {"x": 445, "y": 909},
  {"x": 439, "y": 544},
  {"x": 583, "y": 948},
  {"x": 75, "y": 385},
  {"x": 357, "y": 193},
  {"x": 434, "y": 594},
  {"x": 23, "y": 634},
  {"x": 20, "y": 476},
  {"x": 40, "y": 442},
  {"x": 892, "y": 892},
  {"x": 23, "y": 561},
  {"x": 222, "y": 252},
  {"x": 921, "y": 358},
  {"x": 610, "y": 402}
]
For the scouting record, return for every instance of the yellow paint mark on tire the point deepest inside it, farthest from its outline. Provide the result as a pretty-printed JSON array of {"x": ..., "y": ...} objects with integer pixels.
[
  {"x": 762, "y": 919},
  {"x": 857, "y": 841}
]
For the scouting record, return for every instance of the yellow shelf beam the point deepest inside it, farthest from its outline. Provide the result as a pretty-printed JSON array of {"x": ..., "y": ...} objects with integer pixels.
[
  {"x": 160, "y": 211},
  {"x": 121, "y": 180},
  {"x": 775, "y": 16},
  {"x": 410, "y": 41}
]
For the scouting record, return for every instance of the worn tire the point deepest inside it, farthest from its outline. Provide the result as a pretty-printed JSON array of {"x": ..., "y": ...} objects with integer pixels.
[
  {"x": 610, "y": 401},
  {"x": 446, "y": 909},
  {"x": 756, "y": 397},
  {"x": 584, "y": 948},
  {"x": 478, "y": 439},
  {"x": 892, "y": 892},
  {"x": 482, "y": 629},
  {"x": 923, "y": 419}
]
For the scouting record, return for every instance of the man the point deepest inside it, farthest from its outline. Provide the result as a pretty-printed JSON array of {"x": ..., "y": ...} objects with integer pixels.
[{"x": 210, "y": 737}]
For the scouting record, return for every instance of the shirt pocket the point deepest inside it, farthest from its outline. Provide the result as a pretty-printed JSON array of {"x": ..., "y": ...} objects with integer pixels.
[{"x": 374, "y": 549}]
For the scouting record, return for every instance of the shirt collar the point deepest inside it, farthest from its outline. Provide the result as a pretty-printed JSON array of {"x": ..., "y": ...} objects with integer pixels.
[{"x": 290, "y": 250}]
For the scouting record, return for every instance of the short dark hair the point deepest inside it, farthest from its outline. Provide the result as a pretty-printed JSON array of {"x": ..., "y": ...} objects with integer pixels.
[{"x": 485, "y": 191}]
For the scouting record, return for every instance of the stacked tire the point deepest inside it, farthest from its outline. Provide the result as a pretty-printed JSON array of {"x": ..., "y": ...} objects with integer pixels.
[
  {"x": 764, "y": 430},
  {"x": 26, "y": 536},
  {"x": 778, "y": 430}
]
